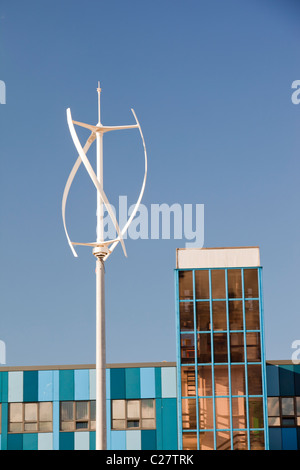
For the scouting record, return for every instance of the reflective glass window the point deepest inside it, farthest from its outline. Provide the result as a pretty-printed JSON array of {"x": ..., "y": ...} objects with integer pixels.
[
  {"x": 257, "y": 440},
  {"x": 204, "y": 348},
  {"x": 189, "y": 441},
  {"x": 237, "y": 347},
  {"x": 188, "y": 381},
  {"x": 189, "y": 420},
  {"x": 206, "y": 440},
  {"x": 218, "y": 284},
  {"x": 206, "y": 415},
  {"x": 238, "y": 380},
  {"x": 222, "y": 413},
  {"x": 234, "y": 284},
  {"x": 202, "y": 284},
  {"x": 252, "y": 314},
  {"x": 254, "y": 379},
  {"x": 203, "y": 316},
  {"x": 236, "y": 315},
  {"x": 186, "y": 315},
  {"x": 187, "y": 348},
  {"x": 250, "y": 283},
  {"x": 239, "y": 413},
  {"x": 223, "y": 440},
  {"x": 256, "y": 419},
  {"x": 240, "y": 441},
  {"x": 185, "y": 285},
  {"x": 253, "y": 347},
  {"x": 221, "y": 380},
  {"x": 220, "y": 347},
  {"x": 219, "y": 315},
  {"x": 287, "y": 406},
  {"x": 204, "y": 381}
]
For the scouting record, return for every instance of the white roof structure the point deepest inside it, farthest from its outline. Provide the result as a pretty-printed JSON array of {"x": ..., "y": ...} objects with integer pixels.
[{"x": 232, "y": 257}]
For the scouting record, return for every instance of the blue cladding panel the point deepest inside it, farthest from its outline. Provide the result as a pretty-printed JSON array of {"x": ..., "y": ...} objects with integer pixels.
[
  {"x": 108, "y": 421},
  {"x": 45, "y": 385},
  {"x": 286, "y": 380},
  {"x": 30, "y": 441},
  {"x": 272, "y": 381},
  {"x": 118, "y": 440},
  {"x": 117, "y": 384},
  {"x": 15, "y": 386},
  {"x": 169, "y": 423},
  {"x": 133, "y": 440},
  {"x": 132, "y": 381},
  {"x": 168, "y": 382},
  {"x": 45, "y": 441},
  {"x": 289, "y": 439},
  {"x": 66, "y": 385},
  {"x": 93, "y": 384},
  {"x": 56, "y": 425},
  {"x": 30, "y": 385},
  {"x": 82, "y": 384},
  {"x": 275, "y": 438},
  {"x": 149, "y": 439},
  {"x": 82, "y": 440},
  {"x": 147, "y": 382},
  {"x": 66, "y": 441},
  {"x": 15, "y": 442}
]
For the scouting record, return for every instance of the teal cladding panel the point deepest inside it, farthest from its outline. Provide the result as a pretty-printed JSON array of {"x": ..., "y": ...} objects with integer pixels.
[
  {"x": 272, "y": 380},
  {"x": 107, "y": 384},
  {"x": 82, "y": 440},
  {"x": 15, "y": 442},
  {"x": 30, "y": 441},
  {"x": 66, "y": 385},
  {"x": 132, "y": 381},
  {"x": 157, "y": 382},
  {"x": 148, "y": 439},
  {"x": 45, "y": 385},
  {"x": 133, "y": 440},
  {"x": 168, "y": 382},
  {"x": 82, "y": 384},
  {"x": 93, "y": 440},
  {"x": 30, "y": 386},
  {"x": 297, "y": 379},
  {"x": 15, "y": 386},
  {"x": 66, "y": 441},
  {"x": 147, "y": 382},
  {"x": 117, "y": 384},
  {"x": 4, "y": 420},
  {"x": 45, "y": 441},
  {"x": 4, "y": 387},
  {"x": 286, "y": 380},
  {"x": 169, "y": 423},
  {"x": 289, "y": 438},
  {"x": 118, "y": 440},
  {"x": 159, "y": 433},
  {"x": 275, "y": 439}
]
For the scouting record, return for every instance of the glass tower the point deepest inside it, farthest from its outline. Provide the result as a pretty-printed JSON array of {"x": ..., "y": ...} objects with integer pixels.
[{"x": 220, "y": 352}]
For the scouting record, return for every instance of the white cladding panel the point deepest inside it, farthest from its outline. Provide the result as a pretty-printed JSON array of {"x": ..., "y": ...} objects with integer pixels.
[{"x": 193, "y": 258}]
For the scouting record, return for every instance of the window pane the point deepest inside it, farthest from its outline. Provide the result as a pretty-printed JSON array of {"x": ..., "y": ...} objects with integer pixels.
[
  {"x": 221, "y": 380},
  {"x": 202, "y": 284},
  {"x": 273, "y": 406},
  {"x": 133, "y": 409},
  {"x": 93, "y": 410},
  {"x": 240, "y": 441},
  {"x": 204, "y": 348},
  {"x": 234, "y": 284},
  {"x": 238, "y": 380},
  {"x": 189, "y": 441},
  {"x": 220, "y": 347},
  {"x": 30, "y": 411},
  {"x": 82, "y": 425},
  {"x": 203, "y": 316},
  {"x": 148, "y": 410},
  {"x": 252, "y": 314},
  {"x": 206, "y": 440},
  {"x": 67, "y": 426},
  {"x": 250, "y": 283},
  {"x": 66, "y": 411},
  {"x": 204, "y": 381},
  {"x": 219, "y": 315},
  {"x": 188, "y": 381},
  {"x": 222, "y": 413},
  {"x": 254, "y": 380},
  {"x": 15, "y": 412},
  {"x": 187, "y": 349},
  {"x": 253, "y": 347},
  {"x": 118, "y": 409},
  {"x": 133, "y": 424},
  {"x": 82, "y": 410},
  {"x": 218, "y": 284},
  {"x": 257, "y": 440},
  {"x": 118, "y": 424},
  {"x": 256, "y": 419},
  {"x": 237, "y": 347},
  {"x": 189, "y": 413},
  {"x": 239, "y": 416},
  {"x": 185, "y": 285},
  {"x": 223, "y": 440},
  {"x": 206, "y": 414},
  {"x": 30, "y": 426},
  {"x": 93, "y": 425},
  {"x": 186, "y": 315},
  {"x": 148, "y": 423},
  {"x": 45, "y": 413},
  {"x": 287, "y": 406},
  {"x": 45, "y": 426},
  {"x": 274, "y": 421},
  {"x": 288, "y": 422},
  {"x": 15, "y": 427},
  {"x": 236, "y": 314}
]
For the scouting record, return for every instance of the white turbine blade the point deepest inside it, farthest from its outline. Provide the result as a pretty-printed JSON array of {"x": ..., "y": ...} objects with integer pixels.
[
  {"x": 114, "y": 243},
  {"x": 116, "y": 128},
  {"x": 87, "y": 126},
  {"x": 68, "y": 185},
  {"x": 93, "y": 177}
]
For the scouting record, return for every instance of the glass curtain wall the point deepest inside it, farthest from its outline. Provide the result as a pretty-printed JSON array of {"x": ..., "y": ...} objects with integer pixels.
[{"x": 221, "y": 367}]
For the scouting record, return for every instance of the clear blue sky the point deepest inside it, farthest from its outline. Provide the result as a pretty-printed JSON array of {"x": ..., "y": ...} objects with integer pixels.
[{"x": 210, "y": 82}]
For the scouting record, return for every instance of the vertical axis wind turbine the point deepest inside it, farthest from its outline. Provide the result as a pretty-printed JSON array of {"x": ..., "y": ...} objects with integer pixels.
[{"x": 102, "y": 249}]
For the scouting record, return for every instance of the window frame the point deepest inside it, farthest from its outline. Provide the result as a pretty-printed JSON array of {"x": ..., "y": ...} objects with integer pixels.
[
  {"x": 74, "y": 421},
  {"x": 140, "y": 419},
  {"x": 23, "y": 422}
]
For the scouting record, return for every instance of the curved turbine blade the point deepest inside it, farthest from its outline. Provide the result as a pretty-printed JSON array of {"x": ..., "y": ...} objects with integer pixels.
[
  {"x": 72, "y": 174},
  {"x": 114, "y": 244},
  {"x": 93, "y": 177}
]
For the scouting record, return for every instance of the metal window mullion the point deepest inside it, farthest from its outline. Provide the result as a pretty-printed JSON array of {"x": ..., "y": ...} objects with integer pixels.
[
  {"x": 196, "y": 359},
  {"x": 229, "y": 358},
  {"x": 246, "y": 364},
  {"x": 212, "y": 361},
  {"x": 263, "y": 360},
  {"x": 178, "y": 351}
]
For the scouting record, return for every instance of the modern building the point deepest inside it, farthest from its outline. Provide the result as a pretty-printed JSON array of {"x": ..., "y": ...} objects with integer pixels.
[{"x": 221, "y": 393}]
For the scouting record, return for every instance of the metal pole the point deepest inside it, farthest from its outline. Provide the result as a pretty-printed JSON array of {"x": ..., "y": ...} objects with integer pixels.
[{"x": 100, "y": 304}]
